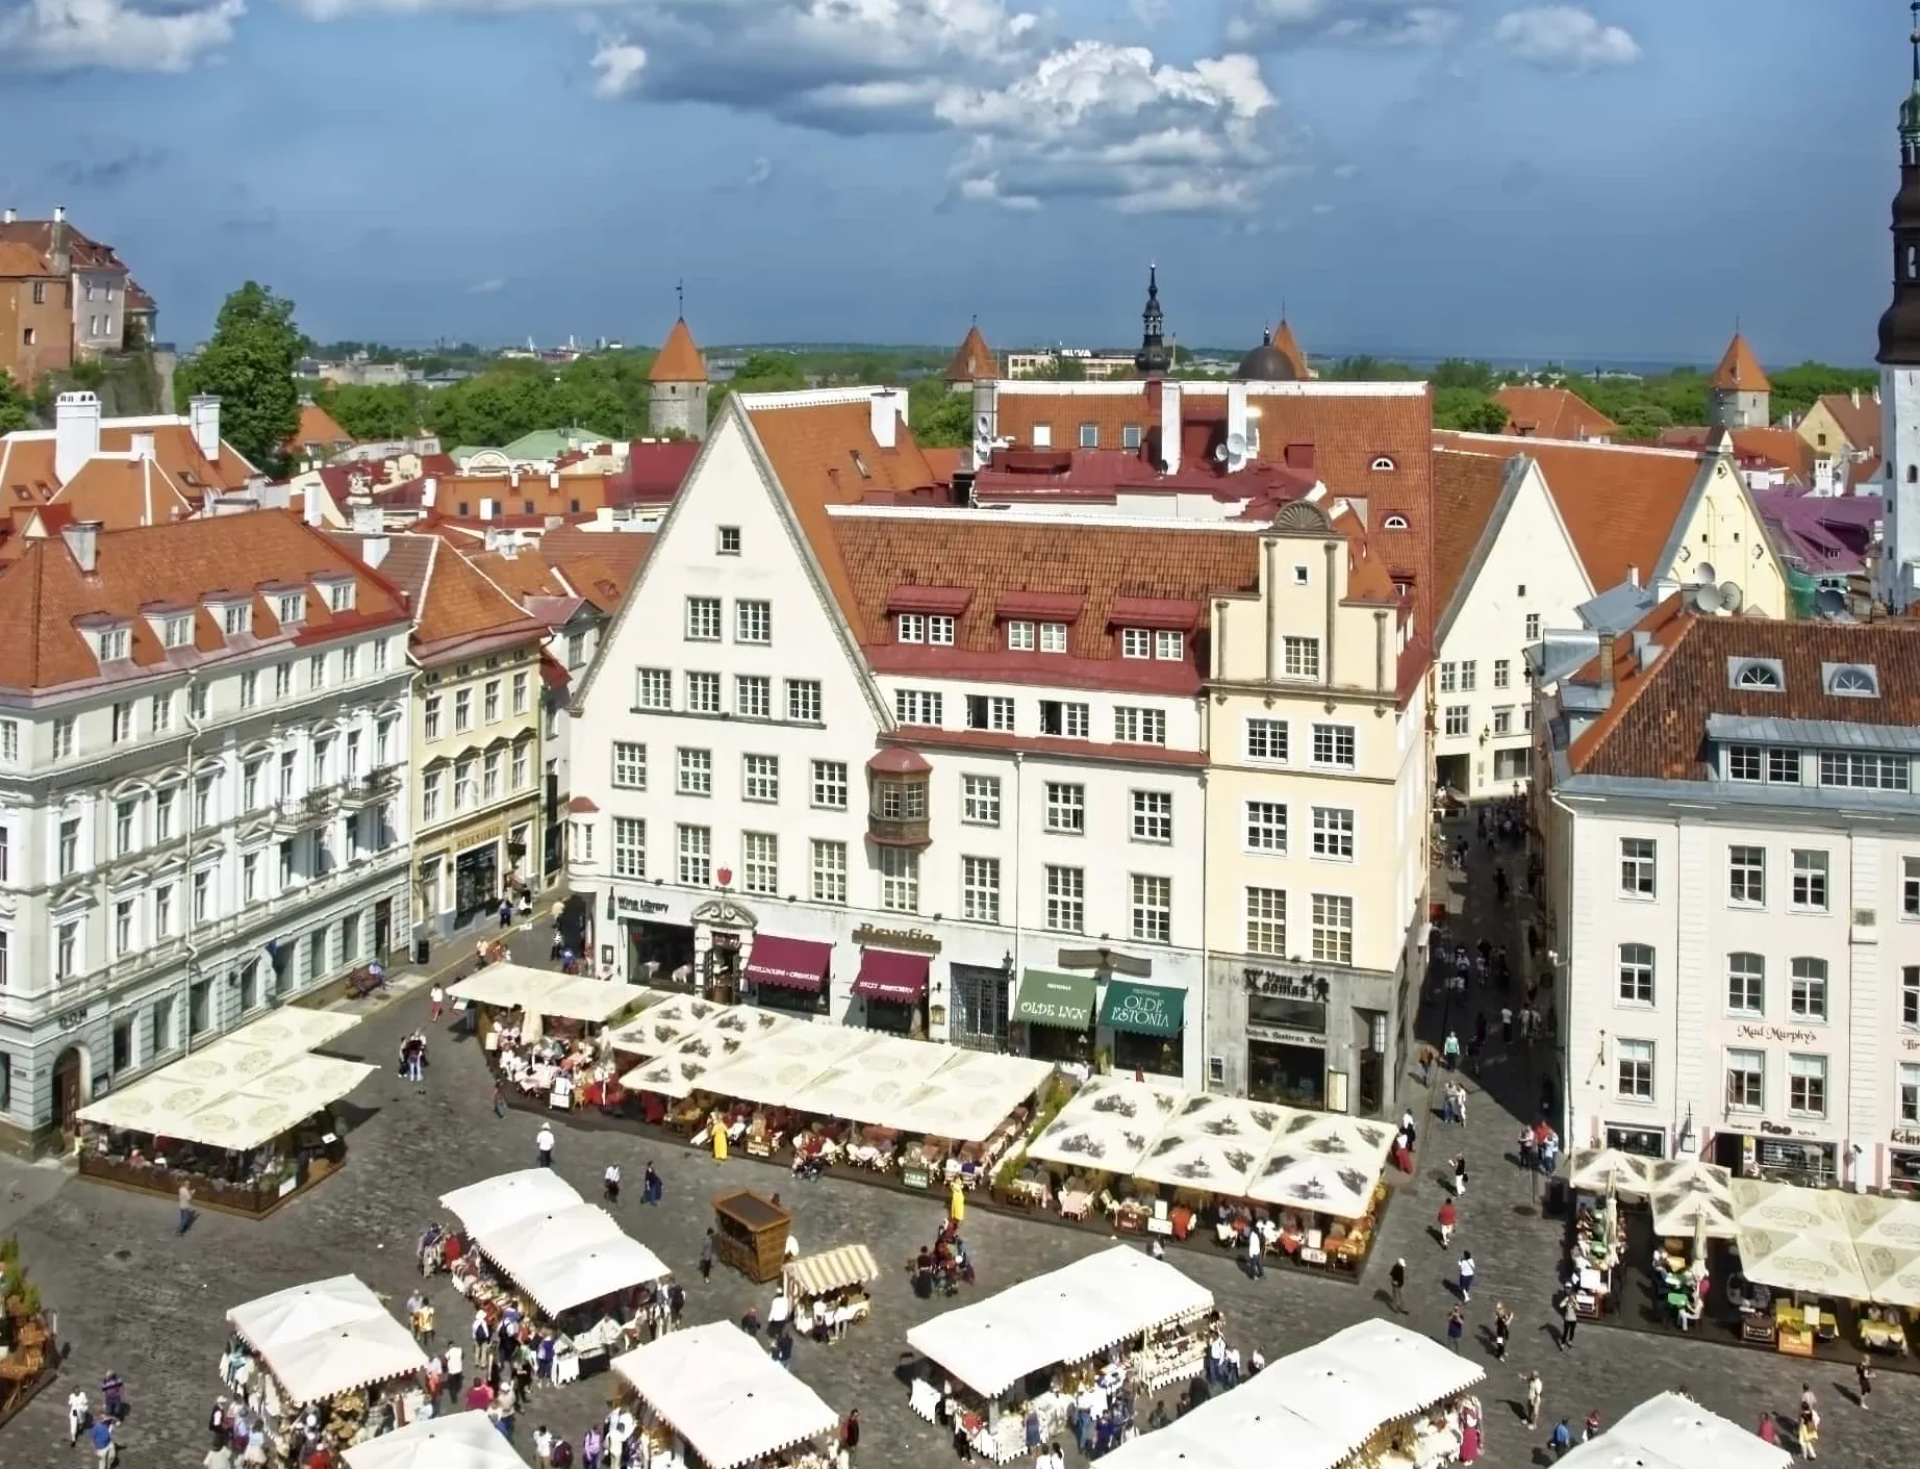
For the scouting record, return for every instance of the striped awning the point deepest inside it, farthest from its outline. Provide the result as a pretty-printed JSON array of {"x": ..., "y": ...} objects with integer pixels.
[{"x": 815, "y": 1275}]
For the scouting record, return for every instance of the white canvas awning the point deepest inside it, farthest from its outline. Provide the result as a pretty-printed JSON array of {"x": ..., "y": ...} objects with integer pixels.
[
  {"x": 294, "y": 1028},
  {"x": 1323, "y": 1161},
  {"x": 548, "y": 992},
  {"x": 871, "y": 1085},
  {"x": 1595, "y": 1169},
  {"x": 154, "y": 1104},
  {"x": 569, "y": 1257},
  {"x": 836, "y": 1269},
  {"x": 273, "y": 1103},
  {"x": 720, "y": 1392},
  {"x": 1690, "y": 1197},
  {"x": 457, "y": 1441},
  {"x": 327, "y": 1338},
  {"x": 229, "y": 1063},
  {"x": 662, "y": 1026},
  {"x": 778, "y": 1066},
  {"x": 1107, "y": 1127},
  {"x": 1672, "y": 1432},
  {"x": 680, "y": 1071},
  {"x": 496, "y": 1202},
  {"x": 1213, "y": 1144},
  {"x": 1817, "y": 1264},
  {"x": 970, "y": 1096},
  {"x": 1782, "y": 1209},
  {"x": 1065, "y": 1316}
]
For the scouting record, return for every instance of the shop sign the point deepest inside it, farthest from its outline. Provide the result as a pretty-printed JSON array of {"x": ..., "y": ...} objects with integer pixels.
[
  {"x": 1275, "y": 1035},
  {"x": 1144, "y": 1011},
  {"x": 1798, "y": 1037},
  {"x": 639, "y": 905},
  {"x": 1286, "y": 986},
  {"x": 1910, "y": 1043},
  {"x": 1906, "y": 1137},
  {"x": 906, "y": 940},
  {"x": 1781, "y": 1129},
  {"x": 725, "y": 913},
  {"x": 73, "y": 1019}
]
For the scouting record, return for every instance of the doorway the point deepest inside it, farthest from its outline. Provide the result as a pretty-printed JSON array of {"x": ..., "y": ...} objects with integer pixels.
[
  {"x": 382, "y": 928},
  {"x": 71, "y": 1074}
]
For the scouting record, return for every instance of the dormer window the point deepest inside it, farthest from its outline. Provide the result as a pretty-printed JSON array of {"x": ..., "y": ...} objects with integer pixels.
[
  {"x": 236, "y": 618},
  {"x": 1136, "y": 642},
  {"x": 291, "y": 607},
  {"x": 940, "y": 630},
  {"x": 1759, "y": 673},
  {"x": 1383, "y": 463},
  {"x": 1854, "y": 681},
  {"x": 1053, "y": 637},
  {"x": 1020, "y": 637},
  {"x": 910, "y": 627},
  {"x": 1169, "y": 647},
  {"x": 177, "y": 632},
  {"x": 340, "y": 596},
  {"x": 113, "y": 644},
  {"x": 1394, "y": 522}
]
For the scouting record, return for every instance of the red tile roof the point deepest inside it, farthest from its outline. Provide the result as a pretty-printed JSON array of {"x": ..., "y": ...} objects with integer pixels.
[
  {"x": 122, "y": 493},
  {"x": 27, "y": 458},
  {"x": 679, "y": 360},
  {"x": 317, "y": 426},
  {"x": 1777, "y": 448},
  {"x": 1859, "y": 421},
  {"x": 456, "y": 610},
  {"x": 1552, "y": 413},
  {"x": 1739, "y": 370},
  {"x": 972, "y": 362},
  {"x": 1288, "y": 346},
  {"x": 1466, "y": 487}
]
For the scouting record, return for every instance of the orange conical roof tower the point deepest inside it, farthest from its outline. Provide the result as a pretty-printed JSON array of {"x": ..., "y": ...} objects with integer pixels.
[
  {"x": 1740, "y": 371},
  {"x": 1288, "y": 346},
  {"x": 679, "y": 360},
  {"x": 974, "y": 362}
]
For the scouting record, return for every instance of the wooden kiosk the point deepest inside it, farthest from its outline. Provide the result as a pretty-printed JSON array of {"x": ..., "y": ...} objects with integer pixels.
[{"x": 751, "y": 1234}]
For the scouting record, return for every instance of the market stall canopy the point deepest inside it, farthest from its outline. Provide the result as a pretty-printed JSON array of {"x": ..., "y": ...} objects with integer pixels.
[
  {"x": 1065, "y": 1316},
  {"x": 1597, "y": 1169},
  {"x": 458, "y": 1441},
  {"x": 151, "y": 1105},
  {"x": 716, "y": 1388},
  {"x": 1064, "y": 1001},
  {"x": 662, "y": 1026},
  {"x": 273, "y": 1103},
  {"x": 548, "y": 992},
  {"x": 360, "y": 1345},
  {"x": 836, "y": 1269},
  {"x": 677, "y": 1072},
  {"x": 569, "y": 1257},
  {"x": 1139, "y": 1008},
  {"x": 970, "y": 1095},
  {"x": 1673, "y": 1432},
  {"x": 1815, "y": 1263},
  {"x": 1323, "y": 1161},
  {"x": 1782, "y": 1209},
  {"x": 1690, "y": 1197},
  {"x": 792, "y": 964},
  {"x": 507, "y": 1198},
  {"x": 1213, "y": 1144},
  {"x": 872, "y": 1084},
  {"x": 1107, "y": 1127},
  {"x": 777, "y": 1066},
  {"x": 230, "y": 1063}
]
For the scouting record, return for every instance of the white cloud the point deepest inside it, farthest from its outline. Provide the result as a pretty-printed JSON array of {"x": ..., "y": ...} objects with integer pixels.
[
  {"x": 1564, "y": 38},
  {"x": 619, "y": 66},
  {"x": 760, "y": 172},
  {"x": 1279, "y": 23},
  {"x": 489, "y": 287},
  {"x": 109, "y": 35}
]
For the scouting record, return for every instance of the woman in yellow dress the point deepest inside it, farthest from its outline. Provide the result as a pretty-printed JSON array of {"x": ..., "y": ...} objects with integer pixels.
[
  {"x": 720, "y": 1139},
  {"x": 957, "y": 1203}
]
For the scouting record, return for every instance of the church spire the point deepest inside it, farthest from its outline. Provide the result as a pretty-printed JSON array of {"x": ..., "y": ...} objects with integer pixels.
[
  {"x": 1153, "y": 358},
  {"x": 1900, "y": 326}
]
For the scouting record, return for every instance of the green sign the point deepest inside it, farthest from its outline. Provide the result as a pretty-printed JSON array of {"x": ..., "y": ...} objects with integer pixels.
[
  {"x": 1046, "y": 998},
  {"x": 1143, "y": 1009}
]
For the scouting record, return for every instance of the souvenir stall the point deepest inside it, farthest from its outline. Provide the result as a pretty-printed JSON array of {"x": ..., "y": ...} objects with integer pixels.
[
  {"x": 1325, "y": 1175},
  {"x": 335, "y": 1367},
  {"x": 545, "y": 1034},
  {"x": 710, "y": 1397},
  {"x": 1672, "y": 1431},
  {"x": 828, "y": 1291},
  {"x": 458, "y": 1441},
  {"x": 1032, "y": 1347},
  {"x": 1375, "y": 1395}
]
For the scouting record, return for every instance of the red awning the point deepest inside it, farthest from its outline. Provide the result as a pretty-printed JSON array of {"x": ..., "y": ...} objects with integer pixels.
[
  {"x": 886, "y": 975},
  {"x": 795, "y": 964}
]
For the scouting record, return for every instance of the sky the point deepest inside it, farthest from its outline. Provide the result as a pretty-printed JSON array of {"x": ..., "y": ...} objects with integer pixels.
[{"x": 1611, "y": 180}]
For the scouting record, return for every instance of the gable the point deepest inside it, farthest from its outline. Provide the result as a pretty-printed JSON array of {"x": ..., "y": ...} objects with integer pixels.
[
  {"x": 1526, "y": 545},
  {"x": 1722, "y": 538}
]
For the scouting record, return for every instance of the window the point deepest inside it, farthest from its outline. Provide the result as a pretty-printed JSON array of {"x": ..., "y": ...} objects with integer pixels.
[
  {"x": 1807, "y": 999},
  {"x": 288, "y": 760},
  {"x": 727, "y": 540},
  {"x": 1783, "y": 766},
  {"x": 830, "y": 785},
  {"x": 1863, "y": 772},
  {"x": 9, "y": 740},
  {"x": 430, "y": 720},
  {"x": 1746, "y": 984},
  {"x": 520, "y": 685},
  {"x": 163, "y": 804},
  {"x": 1053, "y": 637},
  {"x": 1636, "y": 974},
  {"x": 1909, "y": 1093},
  {"x": 1301, "y": 657},
  {"x": 1635, "y": 1067},
  {"x": 695, "y": 772},
  {"x": 69, "y": 846},
  {"x": 66, "y": 950},
  {"x": 753, "y": 696},
  {"x": 123, "y": 928},
  {"x": 629, "y": 766},
  {"x": 161, "y": 712},
  {"x": 1745, "y": 762},
  {"x": 380, "y": 655},
  {"x": 760, "y": 862},
  {"x": 124, "y": 835},
  {"x": 63, "y": 743},
  {"x": 490, "y": 777},
  {"x": 1139, "y": 726},
  {"x": 1136, "y": 642},
  {"x": 1503, "y": 720},
  {"x": 653, "y": 688},
  {"x": 980, "y": 800},
  {"x": 250, "y": 877},
  {"x": 829, "y": 864},
  {"x": 490, "y": 701},
  {"x": 163, "y": 911},
  {"x": 462, "y": 710},
  {"x": 1333, "y": 833},
  {"x": 203, "y": 800},
  {"x": 1910, "y": 995},
  {"x": 283, "y": 680},
  {"x": 339, "y": 595},
  {"x": 1757, "y": 675},
  {"x": 582, "y": 841},
  {"x": 703, "y": 619},
  {"x": 803, "y": 700},
  {"x": 1266, "y": 826},
  {"x": 1066, "y": 808},
  {"x": 1449, "y": 678},
  {"x": 1332, "y": 929},
  {"x": 940, "y": 630},
  {"x": 522, "y": 753},
  {"x": 1636, "y": 867},
  {"x": 1456, "y": 719},
  {"x": 917, "y": 706},
  {"x": 1066, "y": 899},
  {"x": 1267, "y": 739},
  {"x": 123, "y": 722},
  {"x": 1469, "y": 676},
  {"x": 910, "y": 627},
  {"x": 990, "y": 712},
  {"x": 1333, "y": 745},
  {"x": 696, "y": 855},
  {"x": 760, "y": 780},
  {"x": 202, "y": 896},
  {"x": 1168, "y": 647},
  {"x": 1381, "y": 463},
  {"x": 753, "y": 622},
  {"x": 1533, "y": 627},
  {"x": 980, "y": 889},
  {"x": 703, "y": 693},
  {"x": 430, "y": 797},
  {"x": 317, "y": 671},
  {"x": 1153, "y": 816},
  {"x": 349, "y": 663},
  {"x": 1857, "y": 682},
  {"x": 1152, "y": 909},
  {"x": 1130, "y": 436},
  {"x": 1807, "y": 1085},
  {"x": 463, "y": 787},
  {"x": 1069, "y": 721},
  {"x": 1746, "y": 1081},
  {"x": 1810, "y": 881},
  {"x": 1747, "y": 875},
  {"x": 1502, "y": 670},
  {"x": 1089, "y": 435}
]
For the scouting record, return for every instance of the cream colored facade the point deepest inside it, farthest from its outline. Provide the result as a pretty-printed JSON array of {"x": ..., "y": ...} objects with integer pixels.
[
  {"x": 1317, "y": 819},
  {"x": 1721, "y": 538},
  {"x": 477, "y": 788}
]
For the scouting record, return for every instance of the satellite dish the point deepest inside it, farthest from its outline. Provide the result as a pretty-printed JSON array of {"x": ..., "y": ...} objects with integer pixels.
[
  {"x": 1237, "y": 445},
  {"x": 1707, "y": 598},
  {"x": 1220, "y": 454},
  {"x": 1704, "y": 573},
  {"x": 983, "y": 425},
  {"x": 1731, "y": 596},
  {"x": 1830, "y": 603}
]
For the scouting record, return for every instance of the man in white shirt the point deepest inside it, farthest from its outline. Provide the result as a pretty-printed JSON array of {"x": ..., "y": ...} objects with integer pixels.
[
  {"x": 542, "y": 1446},
  {"x": 455, "y": 1365},
  {"x": 543, "y": 1145}
]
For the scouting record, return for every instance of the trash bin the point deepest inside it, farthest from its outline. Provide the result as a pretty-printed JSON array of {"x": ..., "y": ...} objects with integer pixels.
[{"x": 421, "y": 944}]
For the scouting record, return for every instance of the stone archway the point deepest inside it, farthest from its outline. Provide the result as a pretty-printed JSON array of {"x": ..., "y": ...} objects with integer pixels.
[{"x": 72, "y": 1086}]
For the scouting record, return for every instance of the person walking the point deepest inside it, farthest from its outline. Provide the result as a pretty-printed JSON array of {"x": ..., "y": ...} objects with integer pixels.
[
  {"x": 499, "y": 1099},
  {"x": 1809, "y": 1433},
  {"x": 1449, "y": 1216},
  {"x": 79, "y": 1415},
  {"x": 455, "y": 1365},
  {"x": 1460, "y": 1176},
  {"x": 1569, "y": 1317},
  {"x": 650, "y": 1186},
  {"x": 1561, "y": 1439},
  {"x": 543, "y": 1145},
  {"x": 1256, "y": 1254},
  {"x": 706, "y": 1256},
  {"x": 1534, "y": 1389},
  {"x": 1397, "y": 1279},
  {"x": 186, "y": 1208},
  {"x": 610, "y": 1183},
  {"x": 850, "y": 1432},
  {"x": 1450, "y": 1051},
  {"x": 436, "y": 1001},
  {"x": 1467, "y": 1272},
  {"x": 1863, "y": 1375},
  {"x": 1456, "y": 1327},
  {"x": 105, "y": 1450},
  {"x": 1502, "y": 1330}
]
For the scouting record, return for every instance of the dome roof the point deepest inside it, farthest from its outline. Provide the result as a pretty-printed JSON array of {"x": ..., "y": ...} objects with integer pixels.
[{"x": 1266, "y": 363}]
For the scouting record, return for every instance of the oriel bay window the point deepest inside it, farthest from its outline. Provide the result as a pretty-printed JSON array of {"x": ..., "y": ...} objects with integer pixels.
[{"x": 897, "y": 795}]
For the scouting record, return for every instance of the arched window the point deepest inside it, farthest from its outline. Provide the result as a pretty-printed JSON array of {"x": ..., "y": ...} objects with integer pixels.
[
  {"x": 1758, "y": 676},
  {"x": 1382, "y": 462},
  {"x": 1854, "y": 680},
  {"x": 1913, "y": 262},
  {"x": 1395, "y": 522}
]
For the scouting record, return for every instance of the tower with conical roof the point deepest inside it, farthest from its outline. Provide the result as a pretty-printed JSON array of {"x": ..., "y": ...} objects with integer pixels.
[
  {"x": 1899, "y": 358},
  {"x": 1154, "y": 357},
  {"x": 677, "y": 386},
  {"x": 972, "y": 363},
  {"x": 1739, "y": 395}
]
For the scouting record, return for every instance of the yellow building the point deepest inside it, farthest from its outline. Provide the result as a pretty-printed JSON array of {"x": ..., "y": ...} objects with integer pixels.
[{"x": 1317, "y": 820}]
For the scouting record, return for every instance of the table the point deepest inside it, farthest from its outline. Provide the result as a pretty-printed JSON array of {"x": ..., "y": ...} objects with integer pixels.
[
  {"x": 1075, "y": 1205},
  {"x": 1882, "y": 1336}
]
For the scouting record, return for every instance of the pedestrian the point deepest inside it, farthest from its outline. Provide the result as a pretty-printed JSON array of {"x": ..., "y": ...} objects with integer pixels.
[
  {"x": 1591, "y": 1430},
  {"x": 1569, "y": 1316},
  {"x": 706, "y": 1256},
  {"x": 1502, "y": 1330},
  {"x": 1256, "y": 1250},
  {"x": 506, "y": 911},
  {"x": 1397, "y": 1279},
  {"x": 105, "y": 1450},
  {"x": 610, "y": 1183},
  {"x": 1506, "y": 1027},
  {"x": 1863, "y": 1375},
  {"x": 651, "y": 1187},
  {"x": 1460, "y": 1176},
  {"x": 1526, "y": 1148},
  {"x": 543, "y": 1145},
  {"x": 1460, "y": 1104},
  {"x": 542, "y": 1439},
  {"x": 499, "y": 1099},
  {"x": 1561, "y": 1439},
  {"x": 1769, "y": 1431},
  {"x": 436, "y": 1001},
  {"x": 590, "y": 1444},
  {"x": 455, "y": 1365},
  {"x": 1456, "y": 1327},
  {"x": 1449, "y": 1216},
  {"x": 1809, "y": 1433},
  {"x": 850, "y": 1432},
  {"x": 1808, "y": 1403},
  {"x": 1450, "y": 1051},
  {"x": 1534, "y": 1389},
  {"x": 1467, "y": 1269},
  {"x": 186, "y": 1208}
]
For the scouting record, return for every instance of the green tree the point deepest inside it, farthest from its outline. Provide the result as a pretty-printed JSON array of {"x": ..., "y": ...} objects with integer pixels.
[
  {"x": 1468, "y": 411},
  {"x": 939, "y": 418},
  {"x": 248, "y": 364},
  {"x": 1063, "y": 370},
  {"x": 1368, "y": 369},
  {"x": 16, "y": 408},
  {"x": 373, "y": 413},
  {"x": 1458, "y": 372}
]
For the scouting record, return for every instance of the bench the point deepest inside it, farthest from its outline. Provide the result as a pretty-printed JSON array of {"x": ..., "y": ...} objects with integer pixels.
[{"x": 365, "y": 981}]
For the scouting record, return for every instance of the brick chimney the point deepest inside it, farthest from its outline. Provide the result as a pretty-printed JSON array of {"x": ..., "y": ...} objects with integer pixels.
[{"x": 57, "y": 253}]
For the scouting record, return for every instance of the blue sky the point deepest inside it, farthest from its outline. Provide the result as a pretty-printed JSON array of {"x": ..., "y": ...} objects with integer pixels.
[{"x": 1613, "y": 179}]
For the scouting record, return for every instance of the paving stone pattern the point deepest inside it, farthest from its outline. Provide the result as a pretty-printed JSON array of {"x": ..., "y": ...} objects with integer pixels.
[{"x": 133, "y": 1296}]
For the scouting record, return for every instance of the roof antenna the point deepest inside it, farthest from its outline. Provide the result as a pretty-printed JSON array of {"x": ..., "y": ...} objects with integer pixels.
[{"x": 680, "y": 298}]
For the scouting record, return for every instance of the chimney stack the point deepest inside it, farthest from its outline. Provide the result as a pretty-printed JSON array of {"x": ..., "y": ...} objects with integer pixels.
[
  {"x": 373, "y": 550},
  {"x": 367, "y": 519},
  {"x": 76, "y": 433},
  {"x": 83, "y": 544},
  {"x": 884, "y": 412},
  {"x": 986, "y": 420},
  {"x": 429, "y": 492},
  {"x": 311, "y": 500},
  {"x": 10, "y": 215},
  {"x": 1606, "y": 668},
  {"x": 203, "y": 414},
  {"x": 1237, "y": 427},
  {"x": 142, "y": 446},
  {"x": 1170, "y": 425},
  {"x": 1856, "y": 397},
  {"x": 57, "y": 254},
  {"x": 59, "y": 214}
]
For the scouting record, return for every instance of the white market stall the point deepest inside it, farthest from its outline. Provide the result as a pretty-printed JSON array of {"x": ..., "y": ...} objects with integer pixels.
[
  {"x": 458, "y": 1441},
  {"x": 711, "y": 1396},
  {"x": 1674, "y": 1432},
  {"x": 1213, "y": 1144},
  {"x": 507, "y": 1198},
  {"x": 1058, "y": 1324}
]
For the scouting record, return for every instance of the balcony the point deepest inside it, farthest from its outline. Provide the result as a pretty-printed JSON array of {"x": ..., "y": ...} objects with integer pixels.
[
  {"x": 370, "y": 789},
  {"x": 897, "y": 797}
]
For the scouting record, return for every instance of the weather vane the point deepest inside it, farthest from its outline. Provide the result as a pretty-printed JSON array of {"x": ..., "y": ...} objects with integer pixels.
[{"x": 680, "y": 287}]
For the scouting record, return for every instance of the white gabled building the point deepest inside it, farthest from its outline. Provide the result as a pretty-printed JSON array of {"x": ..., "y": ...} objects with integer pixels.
[{"x": 203, "y": 793}]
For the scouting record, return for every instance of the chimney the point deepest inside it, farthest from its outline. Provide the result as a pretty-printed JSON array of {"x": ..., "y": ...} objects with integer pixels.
[
  {"x": 986, "y": 420},
  {"x": 1170, "y": 425},
  {"x": 57, "y": 243},
  {"x": 142, "y": 447},
  {"x": 373, "y": 550},
  {"x": 83, "y": 543},
  {"x": 310, "y": 502},
  {"x": 1633, "y": 576},
  {"x": 513, "y": 478},
  {"x": 1236, "y": 427},
  {"x": 59, "y": 214},
  {"x": 1606, "y": 668},
  {"x": 553, "y": 480},
  {"x": 428, "y": 492},
  {"x": 367, "y": 519},
  {"x": 203, "y": 413},
  {"x": 76, "y": 433},
  {"x": 884, "y": 413},
  {"x": 10, "y": 215},
  {"x": 1856, "y": 397}
]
